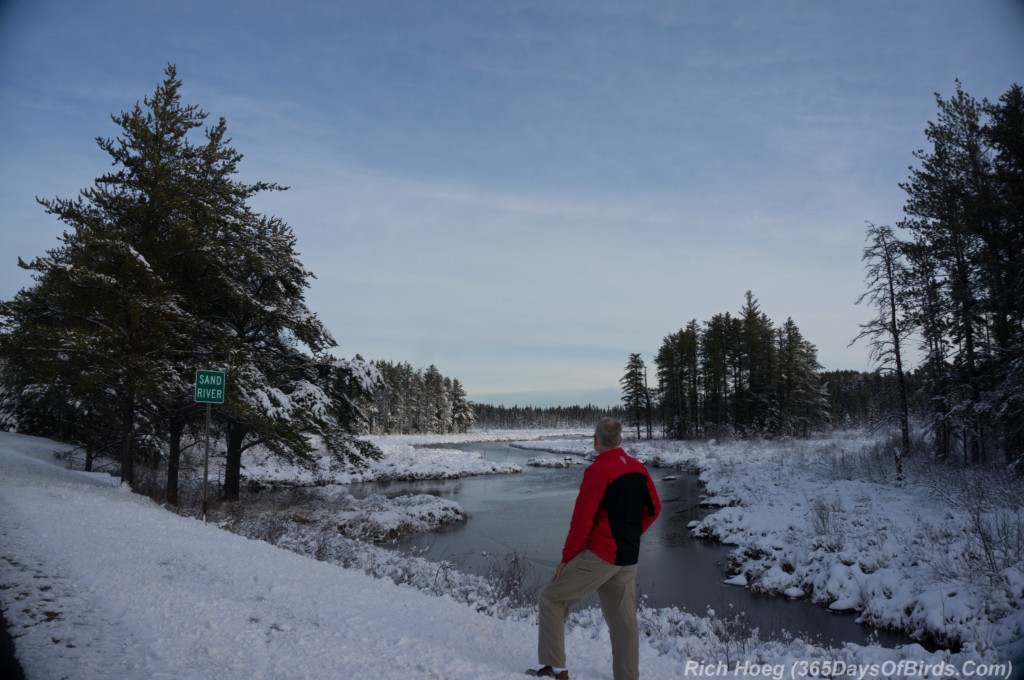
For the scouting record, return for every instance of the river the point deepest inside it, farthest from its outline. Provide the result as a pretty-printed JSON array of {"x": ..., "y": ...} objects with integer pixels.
[{"x": 529, "y": 514}]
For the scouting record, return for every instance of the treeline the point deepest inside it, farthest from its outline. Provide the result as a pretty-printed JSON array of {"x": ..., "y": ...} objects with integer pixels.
[
  {"x": 164, "y": 268},
  {"x": 409, "y": 400},
  {"x": 949, "y": 279},
  {"x": 740, "y": 374},
  {"x": 490, "y": 416},
  {"x": 866, "y": 398}
]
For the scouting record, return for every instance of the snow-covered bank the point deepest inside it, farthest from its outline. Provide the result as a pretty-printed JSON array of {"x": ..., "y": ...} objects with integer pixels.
[
  {"x": 97, "y": 582},
  {"x": 405, "y": 457},
  {"x": 941, "y": 557},
  {"x": 375, "y": 518}
]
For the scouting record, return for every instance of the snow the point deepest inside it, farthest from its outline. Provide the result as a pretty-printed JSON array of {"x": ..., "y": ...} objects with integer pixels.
[
  {"x": 138, "y": 256},
  {"x": 405, "y": 457},
  {"x": 550, "y": 463},
  {"x": 97, "y": 582}
]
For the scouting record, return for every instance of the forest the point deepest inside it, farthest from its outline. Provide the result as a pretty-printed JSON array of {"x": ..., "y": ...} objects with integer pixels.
[
  {"x": 408, "y": 400},
  {"x": 947, "y": 280},
  {"x": 165, "y": 268},
  {"x": 732, "y": 374}
]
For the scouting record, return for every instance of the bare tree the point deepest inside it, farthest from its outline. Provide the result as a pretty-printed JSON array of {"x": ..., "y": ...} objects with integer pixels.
[{"x": 887, "y": 331}]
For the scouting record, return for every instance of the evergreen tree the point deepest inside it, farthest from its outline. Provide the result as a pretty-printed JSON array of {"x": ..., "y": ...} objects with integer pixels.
[
  {"x": 801, "y": 399},
  {"x": 516, "y": 417},
  {"x": 435, "y": 408},
  {"x": 112, "y": 314},
  {"x": 965, "y": 256},
  {"x": 740, "y": 374},
  {"x": 409, "y": 400},
  {"x": 719, "y": 357},
  {"x": 670, "y": 386},
  {"x": 166, "y": 269},
  {"x": 678, "y": 377},
  {"x": 635, "y": 396},
  {"x": 754, "y": 409},
  {"x": 269, "y": 332},
  {"x": 1005, "y": 133},
  {"x": 463, "y": 416},
  {"x": 949, "y": 201}
]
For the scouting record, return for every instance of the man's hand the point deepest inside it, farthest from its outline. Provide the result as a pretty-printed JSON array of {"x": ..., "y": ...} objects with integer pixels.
[{"x": 558, "y": 571}]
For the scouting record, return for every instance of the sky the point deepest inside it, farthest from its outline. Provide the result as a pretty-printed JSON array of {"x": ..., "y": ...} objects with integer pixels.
[{"x": 524, "y": 193}]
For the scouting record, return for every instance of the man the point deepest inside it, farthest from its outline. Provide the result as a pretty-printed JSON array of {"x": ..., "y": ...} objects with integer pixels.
[{"x": 617, "y": 502}]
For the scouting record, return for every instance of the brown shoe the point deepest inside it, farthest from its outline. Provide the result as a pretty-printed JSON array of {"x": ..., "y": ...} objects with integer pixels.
[{"x": 549, "y": 672}]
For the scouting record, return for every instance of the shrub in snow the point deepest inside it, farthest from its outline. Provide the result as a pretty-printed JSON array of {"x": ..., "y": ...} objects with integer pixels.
[{"x": 375, "y": 518}]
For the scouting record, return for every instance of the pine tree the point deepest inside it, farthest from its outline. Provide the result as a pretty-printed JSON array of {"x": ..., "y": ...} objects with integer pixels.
[
  {"x": 462, "y": 411},
  {"x": 1005, "y": 133},
  {"x": 948, "y": 208},
  {"x": 272, "y": 338},
  {"x": 635, "y": 396},
  {"x": 671, "y": 381},
  {"x": 801, "y": 398},
  {"x": 113, "y": 314},
  {"x": 166, "y": 269},
  {"x": 719, "y": 356},
  {"x": 678, "y": 379},
  {"x": 965, "y": 254},
  {"x": 754, "y": 407},
  {"x": 740, "y": 374},
  {"x": 409, "y": 400}
]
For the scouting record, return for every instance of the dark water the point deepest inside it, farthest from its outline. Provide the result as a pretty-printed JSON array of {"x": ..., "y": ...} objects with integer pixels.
[{"x": 529, "y": 514}]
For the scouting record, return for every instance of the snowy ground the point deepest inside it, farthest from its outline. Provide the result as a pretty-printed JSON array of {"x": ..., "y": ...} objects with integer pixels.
[{"x": 97, "y": 582}]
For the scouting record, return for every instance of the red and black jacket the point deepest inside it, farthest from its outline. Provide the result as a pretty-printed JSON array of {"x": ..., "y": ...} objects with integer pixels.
[{"x": 616, "y": 504}]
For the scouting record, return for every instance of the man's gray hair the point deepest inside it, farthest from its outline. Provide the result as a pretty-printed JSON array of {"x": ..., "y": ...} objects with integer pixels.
[{"x": 608, "y": 432}]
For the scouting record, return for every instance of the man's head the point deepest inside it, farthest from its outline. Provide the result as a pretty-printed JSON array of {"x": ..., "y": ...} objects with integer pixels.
[{"x": 607, "y": 434}]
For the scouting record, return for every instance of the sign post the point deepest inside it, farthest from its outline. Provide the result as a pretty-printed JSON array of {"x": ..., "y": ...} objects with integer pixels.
[{"x": 209, "y": 390}]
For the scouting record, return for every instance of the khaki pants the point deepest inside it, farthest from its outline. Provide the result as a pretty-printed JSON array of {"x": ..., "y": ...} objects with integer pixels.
[{"x": 616, "y": 589}]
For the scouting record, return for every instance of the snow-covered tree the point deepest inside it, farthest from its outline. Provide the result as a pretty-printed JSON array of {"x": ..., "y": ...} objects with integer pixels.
[
  {"x": 164, "y": 269},
  {"x": 409, "y": 400},
  {"x": 463, "y": 416},
  {"x": 965, "y": 249},
  {"x": 104, "y": 323},
  {"x": 801, "y": 399}
]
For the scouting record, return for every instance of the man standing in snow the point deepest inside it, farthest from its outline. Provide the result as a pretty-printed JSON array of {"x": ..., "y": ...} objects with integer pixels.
[{"x": 617, "y": 502}]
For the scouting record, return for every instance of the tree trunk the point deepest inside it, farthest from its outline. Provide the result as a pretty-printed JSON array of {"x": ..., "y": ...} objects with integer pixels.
[
  {"x": 90, "y": 453},
  {"x": 127, "y": 453},
  {"x": 901, "y": 383},
  {"x": 233, "y": 464},
  {"x": 174, "y": 434}
]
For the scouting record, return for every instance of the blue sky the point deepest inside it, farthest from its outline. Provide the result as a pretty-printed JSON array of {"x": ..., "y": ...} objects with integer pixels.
[{"x": 524, "y": 193}]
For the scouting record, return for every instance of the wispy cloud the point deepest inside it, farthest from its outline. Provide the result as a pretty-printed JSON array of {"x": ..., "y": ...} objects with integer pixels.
[{"x": 525, "y": 193}]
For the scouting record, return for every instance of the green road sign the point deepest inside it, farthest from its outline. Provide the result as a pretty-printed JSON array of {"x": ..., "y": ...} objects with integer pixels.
[{"x": 210, "y": 387}]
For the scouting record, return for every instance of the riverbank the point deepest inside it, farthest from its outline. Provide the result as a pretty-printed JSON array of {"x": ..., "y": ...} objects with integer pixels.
[
  {"x": 940, "y": 556},
  {"x": 98, "y": 582}
]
